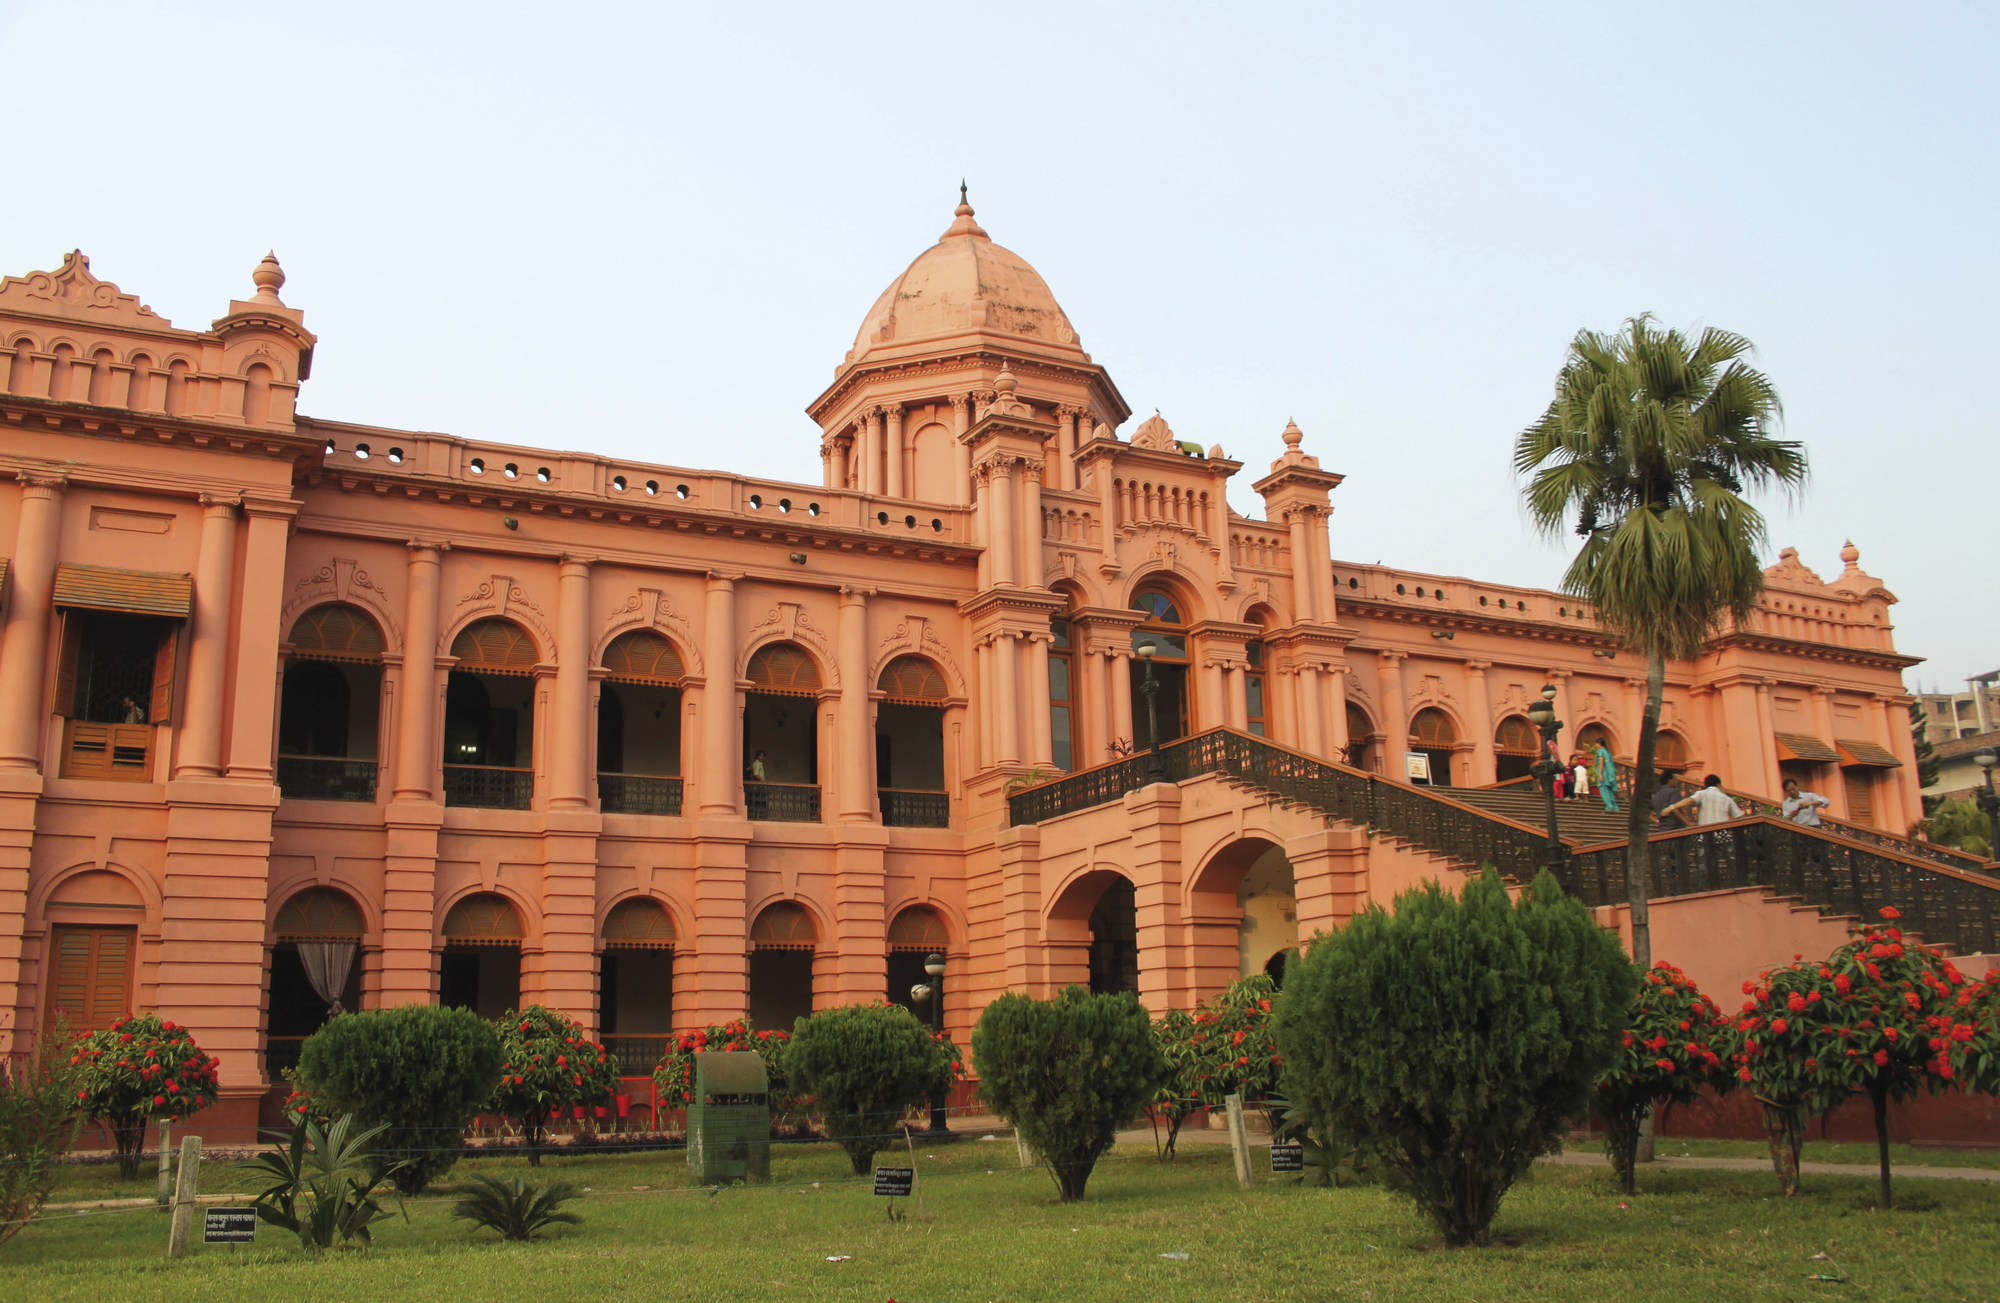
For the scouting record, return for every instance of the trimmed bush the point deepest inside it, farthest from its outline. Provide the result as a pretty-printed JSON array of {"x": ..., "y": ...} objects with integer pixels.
[
  {"x": 1455, "y": 1038},
  {"x": 421, "y": 1070},
  {"x": 547, "y": 1067},
  {"x": 38, "y": 1124},
  {"x": 1673, "y": 1044},
  {"x": 1067, "y": 1073},
  {"x": 140, "y": 1068},
  {"x": 865, "y": 1064}
]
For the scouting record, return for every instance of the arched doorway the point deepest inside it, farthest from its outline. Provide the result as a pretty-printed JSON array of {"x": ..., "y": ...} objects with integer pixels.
[
  {"x": 1361, "y": 750},
  {"x": 480, "y": 967},
  {"x": 1516, "y": 744},
  {"x": 916, "y": 933},
  {"x": 639, "y": 726},
  {"x": 636, "y": 984},
  {"x": 909, "y": 745},
  {"x": 1114, "y": 939},
  {"x": 781, "y": 736},
  {"x": 1433, "y": 737},
  {"x": 1670, "y": 752},
  {"x": 489, "y": 718},
  {"x": 315, "y": 966},
  {"x": 1268, "y": 897},
  {"x": 1590, "y": 736},
  {"x": 782, "y": 943},
  {"x": 1164, "y": 631},
  {"x": 330, "y": 708}
]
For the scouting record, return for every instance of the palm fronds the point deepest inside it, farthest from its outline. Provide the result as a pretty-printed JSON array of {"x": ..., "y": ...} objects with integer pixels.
[{"x": 514, "y": 1208}]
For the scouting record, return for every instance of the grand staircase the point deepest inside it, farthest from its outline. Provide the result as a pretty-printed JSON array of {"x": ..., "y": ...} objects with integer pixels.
[{"x": 1582, "y": 822}]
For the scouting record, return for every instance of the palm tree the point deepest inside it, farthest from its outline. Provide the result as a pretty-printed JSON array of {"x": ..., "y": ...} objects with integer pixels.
[{"x": 1648, "y": 446}]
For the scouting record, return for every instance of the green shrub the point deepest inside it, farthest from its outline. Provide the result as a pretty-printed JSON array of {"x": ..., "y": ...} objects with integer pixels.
[
  {"x": 139, "y": 1068},
  {"x": 1455, "y": 1038},
  {"x": 1221, "y": 1047},
  {"x": 323, "y": 1182},
  {"x": 515, "y": 1209},
  {"x": 547, "y": 1066},
  {"x": 865, "y": 1064},
  {"x": 1672, "y": 1045},
  {"x": 673, "y": 1079},
  {"x": 1067, "y": 1073},
  {"x": 38, "y": 1123},
  {"x": 421, "y": 1070}
]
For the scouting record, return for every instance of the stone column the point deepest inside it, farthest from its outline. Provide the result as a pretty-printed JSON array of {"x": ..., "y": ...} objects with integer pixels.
[
  {"x": 1212, "y": 701},
  {"x": 1030, "y": 573},
  {"x": 1306, "y": 691},
  {"x": 1566, "y": 742},
  {"x": 208, "y": 646},
  {"x": 1239, "y": 697},
  {"x": 1479, "y": 705},
  {"x": 961, "y": 412},
  {"x": 571, "y": 769},
  {"x": 1830, "y": 784},
  {"x": 31, "y": 576},
  {"x": 983, "y": 690},
  {"x": 1121, "y": 698},
  {"x": 1336, "y": 712},
  {"x": 1322, "y": 567},
  {"x": 416, "y": 752},
  {"x": 1153, "y": 815},
  {"x": 1066, "y": 448},
  {"x": 252, "y": 717},
  {"x": 1001, "y": 525},
  {"x": 1107, "y": 513},
  {"x": 892, "y": 453},
  {"x": 1767, "y": 745},
  {"x": 1041, "y": 739},
  {"x": 856, "y": 745},
  {"x": 1006, "y": 665},
  {"x": 838, "y": 477},
  {"x": 721, "y": 730},
  {"x": 871, "y": 452},
  {"x": 1904, "y": 745},
  {"x": 1395, "y": 721},
  {"x": 1305, "y": 596},
  {"x": 1095, "y": 712}
]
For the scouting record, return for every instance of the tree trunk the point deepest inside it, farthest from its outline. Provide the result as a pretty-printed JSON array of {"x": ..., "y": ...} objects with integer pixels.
[
  {"x": 1786, "y": 1127},
  {"x": 128, "y": 1138},
  {"x": 1878, "y": 1091},
  {"x": 1071, "y": 1177},
  {"x": 532, "y": 1135},
  {"x": 1621, "y": 1142},
  {"x": 1639, "y": 820}
]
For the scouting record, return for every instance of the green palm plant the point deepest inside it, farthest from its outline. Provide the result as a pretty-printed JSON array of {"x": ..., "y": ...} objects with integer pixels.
[
  {"x": 515, "y": 1209},
  {"x": 1648, "y": 446},
  {"x": 323, "y": 1182}
]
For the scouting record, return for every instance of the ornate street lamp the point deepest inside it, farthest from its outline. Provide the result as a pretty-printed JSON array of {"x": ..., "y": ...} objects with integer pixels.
[
  {"x": 1156, "y": 769},
  {"x": 1543, "y": 716},
  {"x": 934, "y": 992},
  {"x": 1989, "y": 801}
]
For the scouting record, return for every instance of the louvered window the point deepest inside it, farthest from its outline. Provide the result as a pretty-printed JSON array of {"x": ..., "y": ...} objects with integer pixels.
[
  {"x": 784, "y": 668},
  {"x": 336, "y": 633},
  {"x": 92, "y": 986},
  {"x": 643, "y": 657},
  {"x": 494, "y": 647}
]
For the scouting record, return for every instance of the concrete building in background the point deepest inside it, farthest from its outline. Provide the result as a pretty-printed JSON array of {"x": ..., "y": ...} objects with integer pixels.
[
  {"x": 658, "y": 746},
  {"x": 1949, "y": 716}
]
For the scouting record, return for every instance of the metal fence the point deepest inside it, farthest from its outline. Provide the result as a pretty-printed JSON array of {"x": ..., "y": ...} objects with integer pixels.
[
  {"x": 781, "y": 802},
  {"x": 325, "y": 778},
  {"x": 904, "y": 808},
  {"x": 489, "y": 786},
  {"x": 637, "y": 1055},
  {"x": 1831, "y": 871},
  {"x": 638, "y": 794}
]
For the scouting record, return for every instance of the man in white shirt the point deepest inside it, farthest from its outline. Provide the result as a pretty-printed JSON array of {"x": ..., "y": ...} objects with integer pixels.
[
  {"x": 1710, "y": 805},
  {"x": 1802, "y": 807}
]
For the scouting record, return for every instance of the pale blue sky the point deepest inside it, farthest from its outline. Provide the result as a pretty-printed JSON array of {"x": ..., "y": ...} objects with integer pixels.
[{"x": 653, "y": 232}]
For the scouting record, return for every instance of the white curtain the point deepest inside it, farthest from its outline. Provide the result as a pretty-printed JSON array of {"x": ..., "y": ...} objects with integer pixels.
[{"x": 326, "y": 964}]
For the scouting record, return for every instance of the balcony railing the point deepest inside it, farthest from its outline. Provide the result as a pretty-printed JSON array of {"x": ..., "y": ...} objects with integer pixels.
[
  {"x": 637, "y": 1055},
  {"x": 903, "y": 808},
  {"x": 489, "y": 786},
  {"x": 638, "y": 794},
  {"x": 325, "y": 778},
  {"x": 781, "y": 802}
]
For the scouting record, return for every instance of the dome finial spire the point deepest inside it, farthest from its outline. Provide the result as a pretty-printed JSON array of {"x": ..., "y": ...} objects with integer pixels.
[
  {"x": 961, "y": 190},
  {"x": 962, "y": 222}
]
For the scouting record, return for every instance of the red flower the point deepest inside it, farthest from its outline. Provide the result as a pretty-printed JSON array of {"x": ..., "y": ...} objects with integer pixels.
[
  {"x": 1778, "y": 1025},
  {"x": 159, "y": 1101},
  {"x": 1890, "y": 911},
  {"x": 1744, "y": 1073},
  {"x": 1891, "y": 1032},
  {"x": 1910, "y": 998},
  {"x": 1843, "y": 984},
  {"x": 1664, "y": 1065},
  {"x": 1797, "y": 1003},
  {"x": 167, "y": 1025},
  {"x": 1881, "y": 1058}
]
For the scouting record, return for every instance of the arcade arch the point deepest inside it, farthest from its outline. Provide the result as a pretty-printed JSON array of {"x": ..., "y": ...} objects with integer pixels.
[
  {"x": 783, "y": 941},
  {"x": 1516, "y": 744},
  {"x": 636, "y": 983},
  {"x": 479, "y": 967},
  {"x": 489, "y": 717},
  {"x": 330, "y": 707},
  {"x": 1164, "y": 632},
  {"x": 916, "y": 933},
  {"x": 1433, "y": 735},
  {"x": 781, "y": 735},
  {"x": 315, "y": 970},
  {"x": 909, "y": 744},
  {"x": 639, "y": 726}
]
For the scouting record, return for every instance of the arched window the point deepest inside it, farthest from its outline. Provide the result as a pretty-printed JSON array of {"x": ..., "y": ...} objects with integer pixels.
[
  {"x": 318, "y": 914},
  {"x": 480, "y": 968},
  {"x": 329, "y": 714},
  {"x": 1432, "y": 736},
  {"x": 1670, "y": 751},
  {"x": 781, "y": 736},
  {"x": 489, "y": 718},
  {"x": 1164, "y": 632},
  {"x": 1516, "y": 745},
  {"x": 1361, "y": 751},
  {"x": 639, "y": 726},
  {"x": 909, "y": 745},
  {"x": 784, "y": 667},
  {"x": 1590, "y": 736},
  {"x": 639, "y": 924},
  {"x": 1253, "y": 690},
  {"x": 912, "y": 680},
  {"x": 636, "y": 983},
  {"x": 314, "y": 970},
  {"x": 916, "y": 934},
  {"x": 782, "y": 941}
]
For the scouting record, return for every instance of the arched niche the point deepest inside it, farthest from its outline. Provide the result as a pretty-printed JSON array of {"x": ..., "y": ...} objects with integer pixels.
[
  {"x": 636, "y": 982},
  {"x": 1433, "y": 734},
  {"x": 315, "y": 969},
  {"x": 783, "y": 938},
  {"x": 639, "y": 725},
  {"x": 480, "y": 965},
  {"x": 330, "y": 711},
  {"x": 916, "y": 933}
]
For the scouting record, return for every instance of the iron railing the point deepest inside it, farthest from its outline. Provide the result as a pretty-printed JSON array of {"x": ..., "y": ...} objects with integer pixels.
[
  {"x": 637, "y": 1055},
  {"x": 1416, "y": 814},
  {"x": 325, "y": 778},
  {"x": 904, "y": 808},
  {"x": 781, "y": 802},
  {"x": 1836, "y": 873},
  {"x": 489, "y": 786},
  {"x": 638, "y": 794}
]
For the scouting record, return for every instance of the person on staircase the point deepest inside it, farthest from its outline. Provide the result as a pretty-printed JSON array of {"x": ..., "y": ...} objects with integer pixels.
[
  {"x": 1802, "y": 807},
  {"x": 1579, "y": 782},
  {"x": 1665, "y": 796},
  {"x": 1607, "y": 776}
]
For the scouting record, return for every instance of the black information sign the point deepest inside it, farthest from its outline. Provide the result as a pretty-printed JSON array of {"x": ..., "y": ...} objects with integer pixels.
[
  {"x": 1288, "y": 1158},
  {"x": 229, "y": 1226},
  {"x": 895, "y": 1181}
]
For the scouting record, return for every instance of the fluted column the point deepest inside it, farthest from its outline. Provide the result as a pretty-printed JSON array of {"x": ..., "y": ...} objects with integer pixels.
[
  {"x": 1041, "y": 741},
  {"x": 1030, "y": 573},
  {"x": 871, "y": 452},
  {"x": 1478, "y": 700},
  {"x": 1305, "y": 599},
  {"x": 982, "y": 654},
  {"x": 208, "y": 647},
  {"x": 416, "y": 750},
  {"x": 961, "y": 421},
  {"x": 572, "y": 770},
  {"x": 1006, "y": 668},
  {"x": 855, "y": 738},
  {"x": 25, "y": 640},
  {"x": 721, "y": 728},
  {"x": 251, "y": 717},
  {"x": 1002, "y": 526},
  {"x": 892, "y": 452},
  {"x": 1121, "y": 698},
  {"x": 1395, "y": 721}
]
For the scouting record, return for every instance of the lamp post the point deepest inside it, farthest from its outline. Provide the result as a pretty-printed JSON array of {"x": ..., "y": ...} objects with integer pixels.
[
  {"x": 934, "y": 992},
  {"x": 1543, "y": 716},
  {"x": 1989, "y": 801},
  {"x": 1156, "y": 769}
]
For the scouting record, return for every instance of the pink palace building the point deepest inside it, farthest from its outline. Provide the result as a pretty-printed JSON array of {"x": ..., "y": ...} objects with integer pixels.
[{"x": 659, "y": 746}]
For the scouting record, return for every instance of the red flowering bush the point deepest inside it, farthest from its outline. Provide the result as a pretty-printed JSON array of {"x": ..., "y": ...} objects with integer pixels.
[
  {"x": 1972, "y": 1045},
  {"x": 1218, "y": 1049},
  {"x": 547, "y": 1067},
  {"x": 1673, "y": 1044},
  {"x": 140, "y": 1068},
  {"x": 673, "y": 1080}
]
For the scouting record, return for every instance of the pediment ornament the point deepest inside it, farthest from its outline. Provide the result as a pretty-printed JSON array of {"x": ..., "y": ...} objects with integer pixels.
[{"x": 341, "y": 579}]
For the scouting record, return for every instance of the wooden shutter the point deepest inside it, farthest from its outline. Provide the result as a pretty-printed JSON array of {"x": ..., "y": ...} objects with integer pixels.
[
  {"x": 1860, "y": 795},
  {"x": 72, "y": 633},
  {"x": 92, "y": 980},
  {"x": 163, "y": 676}
]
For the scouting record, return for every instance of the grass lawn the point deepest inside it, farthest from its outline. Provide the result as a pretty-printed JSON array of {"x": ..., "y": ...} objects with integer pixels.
[
  {"x": 1819, "y": 1151},
  {"x": 996, "y": 1232}
]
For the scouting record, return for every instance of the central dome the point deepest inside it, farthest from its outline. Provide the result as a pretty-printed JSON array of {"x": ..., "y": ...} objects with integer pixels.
[{"x": 965, "y": 284}]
